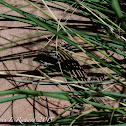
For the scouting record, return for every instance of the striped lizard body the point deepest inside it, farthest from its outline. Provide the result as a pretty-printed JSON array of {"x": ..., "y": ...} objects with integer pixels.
[{"x": 70, "y": 66}]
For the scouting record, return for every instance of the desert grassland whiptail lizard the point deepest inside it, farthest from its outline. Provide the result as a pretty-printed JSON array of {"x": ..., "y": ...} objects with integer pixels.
[{"x": 68, "y": 65}]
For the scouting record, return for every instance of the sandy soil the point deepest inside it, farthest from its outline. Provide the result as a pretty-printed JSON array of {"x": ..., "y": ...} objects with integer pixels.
[{"x": 10, "y": 32}]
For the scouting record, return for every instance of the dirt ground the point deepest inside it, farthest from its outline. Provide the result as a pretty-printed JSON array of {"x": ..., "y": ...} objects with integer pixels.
[{"x": 10, "y": 32}]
